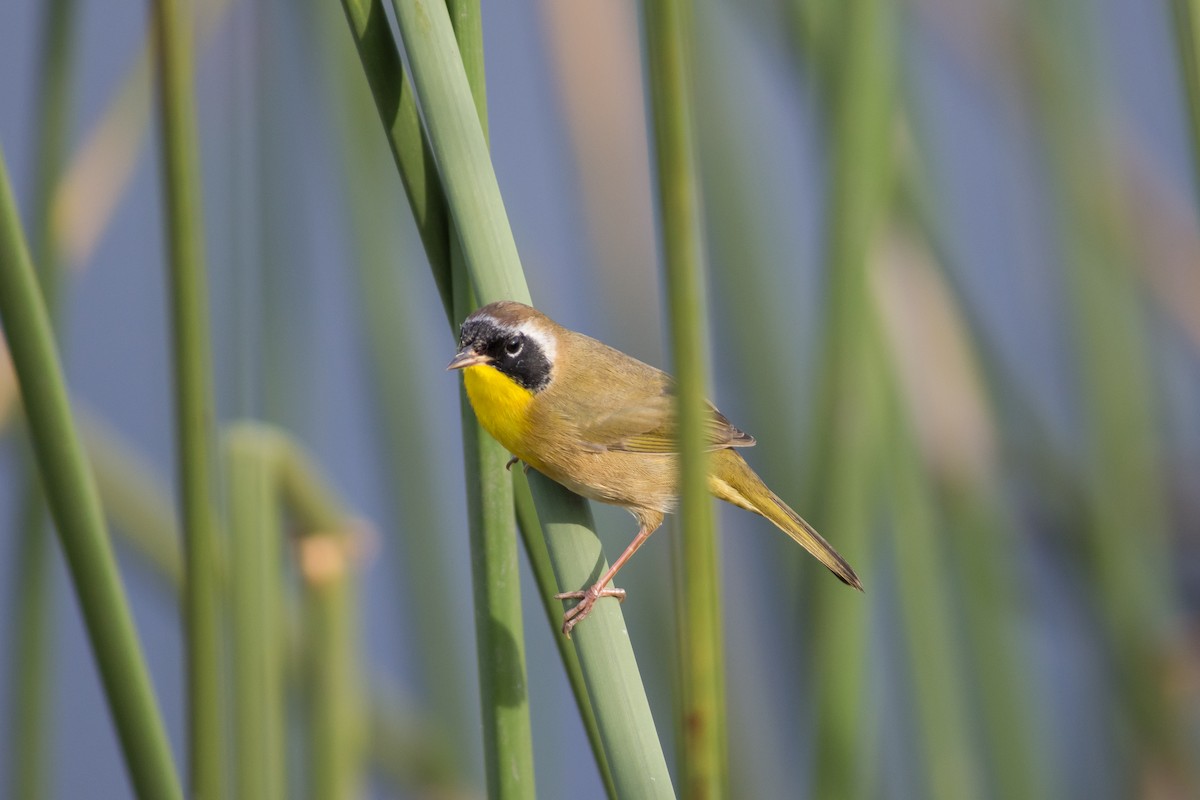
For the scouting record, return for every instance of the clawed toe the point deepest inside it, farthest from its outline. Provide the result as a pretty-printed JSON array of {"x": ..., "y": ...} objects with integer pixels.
[{"x": 587, "y": 599}]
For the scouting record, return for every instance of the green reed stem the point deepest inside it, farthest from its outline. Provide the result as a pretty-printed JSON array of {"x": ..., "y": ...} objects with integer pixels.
[
  {"x": 926, "y": 603},
  {"x": 1127, "y": 518},
  {"x": 543, "y": 574},
  {"x": 424, "y": 587},
  {"x": 193, "y": 395},
  {"x": 705, "y": 750},
  {"x": 456, "y": 138},
  {"x": 75, "y": 507},
  {"x": 32, "y": 668},
  {"x": 397, "y": 107},
  {"x": 848, "y": 419},
  {"x": 31, "y": 665},
  {"x": 1187, "y": 45},
  {"x": 256, "y": 617},
  {"x": 499, "y": 626},
  {"x": 605, "y": 652}
]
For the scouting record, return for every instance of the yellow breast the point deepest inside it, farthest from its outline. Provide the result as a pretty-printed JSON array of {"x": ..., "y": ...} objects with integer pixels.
[{"x": 501, "y": 405}]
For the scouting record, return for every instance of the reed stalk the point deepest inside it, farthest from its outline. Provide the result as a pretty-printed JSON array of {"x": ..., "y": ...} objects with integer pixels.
[
  {"x": 473, "y": 197},
  {"x": 668, "y": 30},
  {"x": 256, "y": 592},
  {"x": 849, "y": 420},
  {"x": 499, "y": 627},
  {"x": 605, "y": 653},
  {"x": 1187, "y": 46},
  {"x": 31, "y": 666},
  {"x": 543, "y": 574},
  {"x": 1126, "y": 518},
  {"x": 193, "y": 395},
  {"x": 75, "y": 506}
]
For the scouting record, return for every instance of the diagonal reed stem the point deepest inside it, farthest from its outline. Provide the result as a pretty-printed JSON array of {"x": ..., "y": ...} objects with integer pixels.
[
  {"x": 75, "y": 507},
  {"x": 32, "y": 668}
]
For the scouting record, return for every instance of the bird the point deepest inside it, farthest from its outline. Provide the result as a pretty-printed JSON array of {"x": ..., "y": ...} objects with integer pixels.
[{"x": 603, "y": 424}]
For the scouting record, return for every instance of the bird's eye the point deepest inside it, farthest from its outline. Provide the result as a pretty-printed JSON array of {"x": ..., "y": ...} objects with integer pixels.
[{"x": 513, "y": 346}]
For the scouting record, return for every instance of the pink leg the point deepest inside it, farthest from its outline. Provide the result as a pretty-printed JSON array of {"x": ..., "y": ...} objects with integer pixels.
[{"x": 588, "y": 597}]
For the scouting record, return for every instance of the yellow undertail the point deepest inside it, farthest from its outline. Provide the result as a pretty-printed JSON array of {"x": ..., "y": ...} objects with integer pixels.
[{"x": 731, "y": 479}]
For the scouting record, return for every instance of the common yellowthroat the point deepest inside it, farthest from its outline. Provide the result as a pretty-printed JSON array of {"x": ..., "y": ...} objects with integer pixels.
[{"x": 602, "y": 424}]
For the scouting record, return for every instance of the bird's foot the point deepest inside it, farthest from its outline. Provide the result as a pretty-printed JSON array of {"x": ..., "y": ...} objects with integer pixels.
[
  {"x": 587, "y": 599},
  {"x": 514, "y": 460}
]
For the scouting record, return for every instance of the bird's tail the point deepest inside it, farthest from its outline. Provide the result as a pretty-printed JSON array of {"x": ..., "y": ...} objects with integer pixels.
[{"x": 731, "y": 479}]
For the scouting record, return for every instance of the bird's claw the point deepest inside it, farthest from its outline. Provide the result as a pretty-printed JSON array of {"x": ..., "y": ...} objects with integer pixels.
[
  {"x": 508, "y": 466},
  {"x": 587, "y": 599}
]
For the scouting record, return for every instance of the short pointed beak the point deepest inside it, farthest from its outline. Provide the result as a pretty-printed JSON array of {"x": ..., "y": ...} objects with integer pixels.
[{"x": 467, "y": 358}]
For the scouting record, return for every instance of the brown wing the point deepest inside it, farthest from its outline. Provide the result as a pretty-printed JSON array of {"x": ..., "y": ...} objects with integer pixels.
[{"x": 650, "y": 427}]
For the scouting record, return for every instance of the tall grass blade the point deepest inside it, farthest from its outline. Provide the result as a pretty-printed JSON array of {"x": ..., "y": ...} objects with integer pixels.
[
  {"x": 543, "y": 574},
  {"x": 256, "y": 594},
  {"x": 668, "y": 28},
  {"x": 456, "y": 139},
  {"x": 605, "y": 652},
  {"x": 849, "y": 417},
  {"x": 1126, "y": 518},
  {"x": 31, "y": 668},
  {"x": 193, "y": 395},
  {"x": 75, "y": 507},
  {"x": 1187, "y": 46}
]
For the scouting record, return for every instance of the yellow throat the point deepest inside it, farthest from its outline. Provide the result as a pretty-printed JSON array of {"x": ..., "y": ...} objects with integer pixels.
[{"x": 501, "y": 405}]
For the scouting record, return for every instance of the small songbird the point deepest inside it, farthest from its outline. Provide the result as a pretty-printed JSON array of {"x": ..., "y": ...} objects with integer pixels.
[{"x": 602, "y": 424}]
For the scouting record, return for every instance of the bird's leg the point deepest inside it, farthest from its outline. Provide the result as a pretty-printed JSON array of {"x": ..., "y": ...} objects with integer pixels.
[{"x": 588, "y": 597}]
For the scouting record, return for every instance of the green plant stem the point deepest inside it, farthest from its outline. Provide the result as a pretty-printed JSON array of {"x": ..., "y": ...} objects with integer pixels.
[
  {"x": 605, "y": 652},
  {"x": 256, "y": 618},
  {"x": 1187, "y": 45},
  {"x": 668, "y": 42},
  {"x": 459, "y": 146},
  {"x": 337, "y": 745},
  {"x": 397, "y": 107},
  {"x": 1124, "y": 481},
  {"x": 543, "y": 574},
  {"x": 31, "y": 665},
  {"x": 499, "y": 627},
  {"x": 456, "y": 138},
  {"x": 75, "y": 507},
  {"x": 193, "y": 395},
  {"x": 926, "y": 602},
  {"x": 32, "y": 668},
  {"x": 848, "y": 421}
]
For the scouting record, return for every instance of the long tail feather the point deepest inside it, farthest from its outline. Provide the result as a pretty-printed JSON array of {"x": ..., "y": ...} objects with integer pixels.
[{"x": 731, "y": 479}]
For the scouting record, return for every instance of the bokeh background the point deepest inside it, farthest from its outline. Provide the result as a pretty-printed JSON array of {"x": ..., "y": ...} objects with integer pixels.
[{"x": 1012, "y": 459}]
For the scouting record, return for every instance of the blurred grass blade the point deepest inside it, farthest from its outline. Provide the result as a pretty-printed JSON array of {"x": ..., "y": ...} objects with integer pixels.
[
  {"x": 848, "y": 422},
  {"x": 256, "y": 592},
  {"x": 605, "y": 652},
  {"x": 926, "y": 603},
  {"x": 543, "y": 574},
  {"x": 668, "y": 30},
  {"x": 193, "y": 395},
  {"x": 1187, "y": 45},
  {"x": 32, "y": 673},
  {"x": 75, "y": 506},
  {"x": 1125, "y": 505},
  {"x": 102, "y": 168},
  {"x": 331, "y": 543}
]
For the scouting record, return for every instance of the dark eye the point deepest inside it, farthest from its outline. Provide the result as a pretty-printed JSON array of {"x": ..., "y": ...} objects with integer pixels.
[{"x": 513, "y": 346}]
